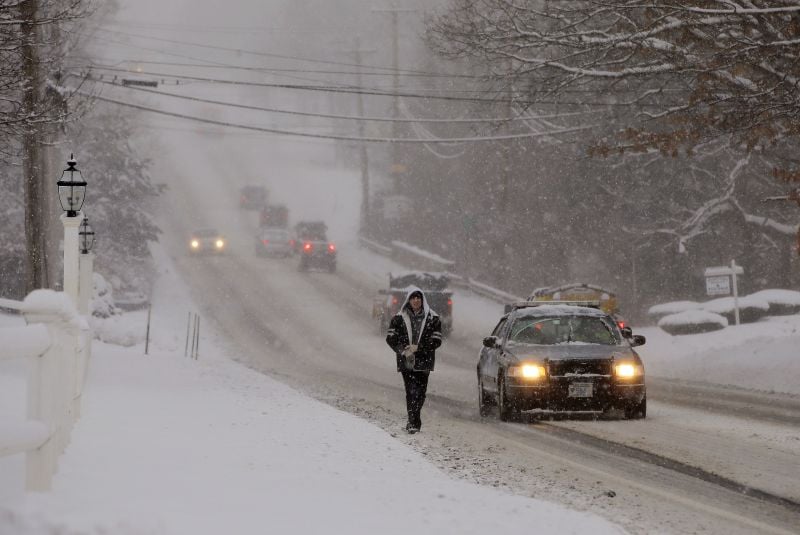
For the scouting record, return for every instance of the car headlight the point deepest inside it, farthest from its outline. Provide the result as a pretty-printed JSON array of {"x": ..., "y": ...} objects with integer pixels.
[
  {"x": 220, "y": 244},
  {"x": 527, "y": 371},
  {"x": 195, "y": 244},
  {"x": 626, "y": 370}
]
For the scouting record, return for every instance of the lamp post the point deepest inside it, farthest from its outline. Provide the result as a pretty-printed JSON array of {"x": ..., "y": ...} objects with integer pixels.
[
  {"x": 71, "y": 193},
  {"x": 86, "y": 236},
  {"x": 85, "y": 265}
]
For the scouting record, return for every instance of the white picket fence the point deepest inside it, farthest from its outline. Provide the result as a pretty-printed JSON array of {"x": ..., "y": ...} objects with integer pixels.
[{"x": 57, "y": 344}]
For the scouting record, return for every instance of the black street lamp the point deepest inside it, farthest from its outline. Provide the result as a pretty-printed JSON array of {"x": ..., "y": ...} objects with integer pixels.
[
  {"x": 71, "y": 192},
  {"x": 85, "y": 236}
]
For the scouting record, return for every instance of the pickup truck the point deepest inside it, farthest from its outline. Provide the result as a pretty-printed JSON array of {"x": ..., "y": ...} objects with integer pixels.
[{"x": 388, "y": 301}]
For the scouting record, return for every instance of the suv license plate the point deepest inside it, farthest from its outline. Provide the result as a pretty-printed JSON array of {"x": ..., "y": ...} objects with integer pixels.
[{"x": 581, "y": 390}]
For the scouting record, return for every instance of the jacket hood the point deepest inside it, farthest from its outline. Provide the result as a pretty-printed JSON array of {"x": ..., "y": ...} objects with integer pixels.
[
  {"x": 427, "y": 312},
  {"x": 407, "y": 306}
]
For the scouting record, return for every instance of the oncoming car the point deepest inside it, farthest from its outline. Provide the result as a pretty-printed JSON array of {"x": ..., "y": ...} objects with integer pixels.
[
  {"x": 560, "y": 356},
  {"x": 206, "y": 241}
]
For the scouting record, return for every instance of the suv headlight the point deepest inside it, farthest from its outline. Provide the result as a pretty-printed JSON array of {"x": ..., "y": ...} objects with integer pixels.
[
  {"x": 528, "y": 371},
  {"x": 627, "y": 370}
]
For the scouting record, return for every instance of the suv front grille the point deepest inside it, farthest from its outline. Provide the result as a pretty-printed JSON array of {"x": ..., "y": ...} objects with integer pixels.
[{"x": 573, "y": 367}]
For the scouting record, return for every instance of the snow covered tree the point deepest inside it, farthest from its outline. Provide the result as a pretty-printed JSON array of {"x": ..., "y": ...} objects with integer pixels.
[
  {"x": 711, "y": 81},
  {"x": 121, "y": 194},
  {"x": 32, "y": 103},
  {"x": 704, "y": 68}
]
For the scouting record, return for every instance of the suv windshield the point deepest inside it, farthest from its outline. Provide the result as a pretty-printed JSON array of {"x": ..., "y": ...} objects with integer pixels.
[
  {"x": 311, "y": 231},
  {"x": 276, "y": 234},
  {"x": 563, "y": 330},
  {"x": 206, "y": 233}
]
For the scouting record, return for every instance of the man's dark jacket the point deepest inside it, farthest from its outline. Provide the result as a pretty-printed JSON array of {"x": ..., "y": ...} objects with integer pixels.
[{"x": 399, "y": 333}]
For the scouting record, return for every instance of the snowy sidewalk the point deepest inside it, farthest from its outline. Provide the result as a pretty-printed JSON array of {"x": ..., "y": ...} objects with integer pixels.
[{"x": 171, "y": 445}]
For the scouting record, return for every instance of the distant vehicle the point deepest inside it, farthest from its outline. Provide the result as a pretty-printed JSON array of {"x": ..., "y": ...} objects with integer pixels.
[
  {"x": 560, "y": 356},
  {"x": 274, "y": 216},
  {"x": 206, "y": 241},
  {"x": 252, "y": 197},
  {"x": 387, "y": 303},
  {"x": 311, "y": 243},
  {"x": 273, "y": 242}
]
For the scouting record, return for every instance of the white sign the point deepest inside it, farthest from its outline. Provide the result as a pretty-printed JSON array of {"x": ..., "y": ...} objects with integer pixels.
[{"x": 718, "y": 285}]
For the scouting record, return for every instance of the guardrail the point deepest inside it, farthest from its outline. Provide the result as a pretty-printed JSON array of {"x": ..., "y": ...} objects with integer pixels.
[
  {"x": 423, "y": 260},
  {"x": 57, "y": 343},
  {"x": 484, "y": 290},
  {"x": 374, "y": 246}
]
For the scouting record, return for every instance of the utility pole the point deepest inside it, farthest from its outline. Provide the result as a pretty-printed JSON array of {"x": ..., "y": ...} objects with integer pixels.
[
  {"x": 506, "y": 184},
  {"x": 365, "y": 204},
  {"x": 397, "y": 167},
  {"x": 35, "y": 193}
]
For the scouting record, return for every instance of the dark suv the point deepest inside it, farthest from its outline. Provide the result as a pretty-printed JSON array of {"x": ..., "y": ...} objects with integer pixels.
[
  {"x": 252, "y": 197},
  {"x": 312, "y": 245},
  {"x": 560, "y": 356}
]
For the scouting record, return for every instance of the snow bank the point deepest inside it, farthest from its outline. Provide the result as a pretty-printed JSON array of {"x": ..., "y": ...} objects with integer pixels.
[
  {"x": 751, "y": 308},
  {"x": 664, "y": 309},
  {"x": 692, "y": 322},
  {"x": 781, "y": 302}
]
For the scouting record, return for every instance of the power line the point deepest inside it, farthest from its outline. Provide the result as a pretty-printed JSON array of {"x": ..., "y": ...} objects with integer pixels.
[
  {"x": 348, "y": 90},
  {"x": 218, "y": 65},
  {"x": 347, "y": 117},
  {"x": 225, "y": 29},
  {"x": 265, "y": 54},
  {"x": 331, "y": 136}
]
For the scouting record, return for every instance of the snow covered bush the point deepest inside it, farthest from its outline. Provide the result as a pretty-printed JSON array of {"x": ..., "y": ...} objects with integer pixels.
[
  {"x": 751, "y": 309},
  {"x": 781, "y": 302},
  {"x": 656, "y": 312},
  {"x": 692, "y": 322},
  {"x": 109, "y": 323},
  {"x": 102, "y": 304}
]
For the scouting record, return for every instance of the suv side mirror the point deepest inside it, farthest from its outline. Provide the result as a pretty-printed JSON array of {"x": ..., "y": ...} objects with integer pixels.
[
  {"x": 491, "y": 342},
  {"x": 638, "y": 340},
  {"x": 626, "y": 332}
]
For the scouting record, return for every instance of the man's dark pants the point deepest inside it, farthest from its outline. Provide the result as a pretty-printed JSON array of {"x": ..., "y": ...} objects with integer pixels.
[{"x": 416, "y": 385}]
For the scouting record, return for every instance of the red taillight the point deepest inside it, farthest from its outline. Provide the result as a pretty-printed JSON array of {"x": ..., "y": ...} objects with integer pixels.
[
  {"x": 331, "y": 247},
  {"x": 265, "y": 242},
  {"x": 621, "y": 324},
  {"x": 307, "y": 246},
  {"x": 394, "y": 300},
  {"x": 450, "y": 303}
]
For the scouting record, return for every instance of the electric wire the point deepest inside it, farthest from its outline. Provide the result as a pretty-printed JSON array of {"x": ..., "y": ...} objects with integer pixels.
[
  {"x": 346, "y": 117},
  {"x": 331, "y": 136},
  {"x": 348, "y": 90}
]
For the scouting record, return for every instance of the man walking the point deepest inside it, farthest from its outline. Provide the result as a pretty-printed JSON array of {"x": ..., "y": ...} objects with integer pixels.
[{"x": 414, "y": 334}]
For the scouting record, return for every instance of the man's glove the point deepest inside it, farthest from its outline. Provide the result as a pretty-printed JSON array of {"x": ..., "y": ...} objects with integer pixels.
[
  {"x": 409, "y": 351},
  {"x": 408, "y": 355}
]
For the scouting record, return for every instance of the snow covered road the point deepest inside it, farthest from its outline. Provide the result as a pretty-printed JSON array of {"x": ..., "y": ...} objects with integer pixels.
[{"x": 314, "y": 332}]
